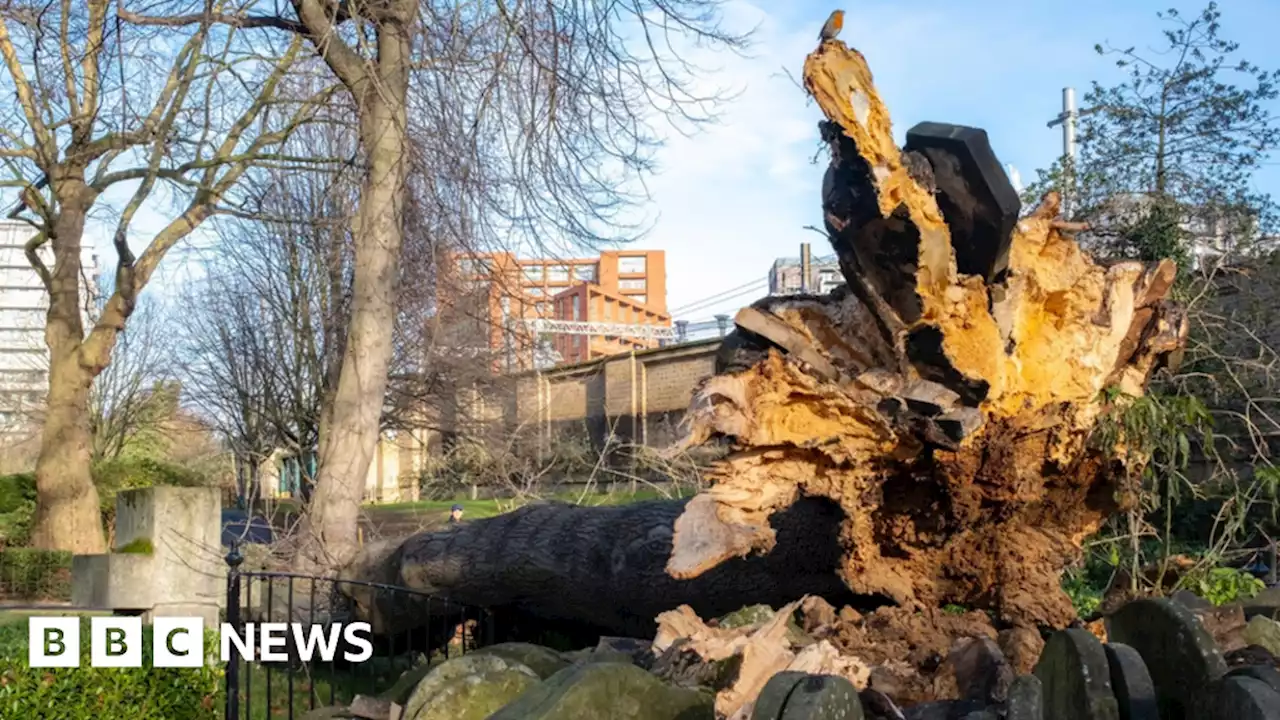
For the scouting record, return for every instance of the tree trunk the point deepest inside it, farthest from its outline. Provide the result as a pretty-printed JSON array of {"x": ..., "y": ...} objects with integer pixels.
[
  {"x": 602, "y": 567},
  {"x": 349, "y": 430},
  {"x": 68, "y": 516}
]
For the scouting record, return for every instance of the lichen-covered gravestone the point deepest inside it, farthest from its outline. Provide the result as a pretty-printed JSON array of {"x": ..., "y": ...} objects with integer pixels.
[
  {"x": 543, "y": 661},
  {"x": 471, "y": 687},
  {"x": 801, "y": 696},
  {"x": 1179, "y": 653},
  {"x": 618, "y": 691},
  {"x": 1026, "y": 699},
  {"x": 1076, "y": 677}
]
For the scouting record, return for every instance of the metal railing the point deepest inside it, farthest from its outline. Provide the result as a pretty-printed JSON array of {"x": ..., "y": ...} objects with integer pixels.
[
  {"x": 34, "y": 578},
  {"x": 409, "y": 628}
]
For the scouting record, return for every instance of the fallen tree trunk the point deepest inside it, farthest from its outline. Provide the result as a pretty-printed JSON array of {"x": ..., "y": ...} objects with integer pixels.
[
  {"x": 602, "y": 567},
  {"x": 947, "y": 400}
]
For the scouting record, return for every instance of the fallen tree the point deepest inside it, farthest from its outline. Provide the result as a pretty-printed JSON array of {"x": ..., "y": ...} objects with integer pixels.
[
  {"x": 600, "y": 567},
  {"x": 945, "y": 402}
]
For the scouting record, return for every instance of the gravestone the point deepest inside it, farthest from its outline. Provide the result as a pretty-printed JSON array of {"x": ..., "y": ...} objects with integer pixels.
[
  {"x": 166, "y": 559},
  {"x": 1179, "y": 653},
  {"x": 1238, "y": 698},
  {"x": 1076, "y": 677},
  {"x": 1026, "y": 699},
  {"x": 1266, "y": 673},
  {"x": 1131, "y": 683}
]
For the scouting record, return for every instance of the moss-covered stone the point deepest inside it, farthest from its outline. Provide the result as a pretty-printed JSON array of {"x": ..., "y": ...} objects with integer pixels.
[
  {"x": 138, "y": 546},
  {"x": 619, "y": 691},
  {"x": 544, "y": 661},
  {"x": 471, "y": 687},
  {"x": 746, "y": 616}
]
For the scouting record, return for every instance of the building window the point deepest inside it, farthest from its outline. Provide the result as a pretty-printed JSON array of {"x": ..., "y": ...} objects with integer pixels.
[
  {"x": 533, "y": 273},
  {"x": 577, "y": 307},
  {"x": 586, "y": 273},
  {"x": 558, "y": 274},
  {"x": 642, "y": 299},
  {"x": 536, "y": 291},
  {"x": 631, "y": 284},
  {"x": 476, "y": 266},
  {"x": 632, "y": 265},
  {"x": 542, "y": 308}
]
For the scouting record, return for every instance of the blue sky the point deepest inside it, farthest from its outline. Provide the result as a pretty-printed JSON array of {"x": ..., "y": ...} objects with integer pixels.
[
  {"x": 738, "y": 195},
  {"x": 734, "y": 197}
]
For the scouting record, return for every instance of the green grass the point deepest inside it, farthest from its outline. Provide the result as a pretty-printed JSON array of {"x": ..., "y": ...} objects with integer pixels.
[{"x": 473, "y": 509}]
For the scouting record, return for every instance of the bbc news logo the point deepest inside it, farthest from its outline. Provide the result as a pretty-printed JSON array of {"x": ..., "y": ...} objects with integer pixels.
[{"x": 178, "y": 642}]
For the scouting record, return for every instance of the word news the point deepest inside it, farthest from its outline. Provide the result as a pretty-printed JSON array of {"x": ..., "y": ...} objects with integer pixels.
[{"x": 178, "y": 642}]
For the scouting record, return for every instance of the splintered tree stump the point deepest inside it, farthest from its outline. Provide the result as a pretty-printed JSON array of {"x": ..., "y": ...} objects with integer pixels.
[{"x": 946, "y": 399}]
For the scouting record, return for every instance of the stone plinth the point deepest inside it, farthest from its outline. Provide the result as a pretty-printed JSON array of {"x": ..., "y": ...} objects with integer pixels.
[{"x": 166, "y": 560}]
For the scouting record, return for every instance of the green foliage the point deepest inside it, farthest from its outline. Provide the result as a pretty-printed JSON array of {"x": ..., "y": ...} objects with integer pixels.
[
  {"x": 16, "y": 490},
  {"x": 139, "y": 546},
  {"x": 1222, "y": 585},
  {"x": 17, "y": 508},
  {"x": 127, "y": 473},
  {"x": 1085, "y": 596},
  {"x": 1156, "y": 234},
  {"x": 1173, "y": 147},
  {"x": 1156, "y": 426},
  {"x": 31, "y": 574},
  {"x": 86, "y": 693},
  {"x": 953, "y": 609}
]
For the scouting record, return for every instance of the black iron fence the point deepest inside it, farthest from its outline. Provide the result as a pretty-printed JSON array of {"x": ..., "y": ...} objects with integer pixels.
[
  {"x": 409, "y": 629},
  {"x": 34, "y": 578}
]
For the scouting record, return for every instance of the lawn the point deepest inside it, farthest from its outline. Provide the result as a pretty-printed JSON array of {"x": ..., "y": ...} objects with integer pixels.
[{"x": 488, "y": 508}]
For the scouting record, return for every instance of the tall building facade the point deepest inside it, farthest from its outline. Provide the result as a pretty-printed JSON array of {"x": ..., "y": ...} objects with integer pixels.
[
  {"x": 24, "y": 303},
  {"x": 786, "y": 276},
  {"x": 496, "y": 294}
]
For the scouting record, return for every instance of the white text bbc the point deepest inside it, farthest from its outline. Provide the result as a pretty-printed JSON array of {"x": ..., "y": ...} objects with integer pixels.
[{"x": 179, "y": 642}]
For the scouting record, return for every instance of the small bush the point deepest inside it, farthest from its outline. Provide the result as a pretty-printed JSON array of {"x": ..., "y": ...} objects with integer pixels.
[
  {"x": 16, "y": 490},
  {"x": 1223, "y": 585},
  {"x": 87, "y": 693},
  {"x": 30, "y": 574}
]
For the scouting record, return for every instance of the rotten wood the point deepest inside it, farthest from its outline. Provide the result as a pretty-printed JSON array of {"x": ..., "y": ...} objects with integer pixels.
[{"x": 959, "y": 450}]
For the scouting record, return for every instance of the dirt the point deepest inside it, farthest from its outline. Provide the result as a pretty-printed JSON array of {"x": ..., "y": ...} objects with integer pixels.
[{"x": 908, "y": 650}]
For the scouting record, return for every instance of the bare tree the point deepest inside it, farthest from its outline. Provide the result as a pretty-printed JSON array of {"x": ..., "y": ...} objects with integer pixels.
[
  {"x": 86, "y": 115},
  {"x": 533, "y": 121},
  {"x": 123, "y": 400}
]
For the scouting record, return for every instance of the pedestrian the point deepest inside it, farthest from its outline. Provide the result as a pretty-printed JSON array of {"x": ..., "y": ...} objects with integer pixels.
[{"x": 455, "y": 514}]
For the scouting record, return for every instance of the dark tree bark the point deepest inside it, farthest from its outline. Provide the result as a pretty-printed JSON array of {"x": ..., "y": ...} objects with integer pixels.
[{"x": 601, "y": 567}]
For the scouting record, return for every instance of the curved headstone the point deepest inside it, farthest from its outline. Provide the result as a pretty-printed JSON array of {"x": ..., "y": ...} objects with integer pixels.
[
  {"x": 1026, "y": 699},
  {"x": 823, "y": 697},
  {"x": 1180, "y": 655},
  {"x": 1238, "y": 698},
  {"x": 1076, "y": 677},
  {"x": 1266, "y": 673},
  {"x": 1131, "y": 683},
  {"x": 619, "y": 691}
]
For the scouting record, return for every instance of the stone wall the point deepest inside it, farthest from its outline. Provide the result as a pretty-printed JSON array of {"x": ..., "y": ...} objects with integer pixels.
[{"x": 636, "y": 398}]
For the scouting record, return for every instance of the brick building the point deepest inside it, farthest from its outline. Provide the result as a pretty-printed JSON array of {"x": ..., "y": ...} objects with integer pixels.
[{"x": 495, "y": 293}]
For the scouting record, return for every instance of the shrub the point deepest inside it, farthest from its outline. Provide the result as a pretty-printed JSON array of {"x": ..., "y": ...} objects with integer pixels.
[
  {"x": 16, "y": 490},
  {"x": 1223, "y": 585},
  {"x": 31, "y": 574},
  {"x": 87, "y": 693}
]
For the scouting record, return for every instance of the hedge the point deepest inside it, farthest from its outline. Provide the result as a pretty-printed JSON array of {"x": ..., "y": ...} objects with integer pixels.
[
  {"x": 30, "y": 574},
  {"x": 87, "y": 693}
]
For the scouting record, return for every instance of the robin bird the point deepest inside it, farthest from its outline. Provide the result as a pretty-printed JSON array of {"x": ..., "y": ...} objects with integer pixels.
[{"x": 831, "y": 28}]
